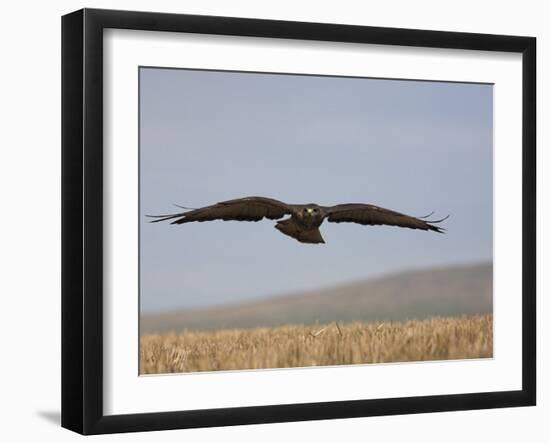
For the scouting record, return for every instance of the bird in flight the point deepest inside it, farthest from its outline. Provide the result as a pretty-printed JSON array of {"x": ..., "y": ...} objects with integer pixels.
[{"x": 304, "y": 221}]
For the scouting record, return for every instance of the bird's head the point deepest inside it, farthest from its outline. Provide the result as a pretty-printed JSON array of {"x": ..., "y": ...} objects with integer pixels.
[{"x": 311, "y": 211}]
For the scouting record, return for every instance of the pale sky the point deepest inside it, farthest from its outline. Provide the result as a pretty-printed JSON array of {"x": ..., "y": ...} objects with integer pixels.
[{"x": 209, "y": 136}]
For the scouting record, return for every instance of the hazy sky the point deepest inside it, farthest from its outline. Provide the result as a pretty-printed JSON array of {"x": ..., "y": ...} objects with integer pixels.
[{"x": 410, "y": 146}]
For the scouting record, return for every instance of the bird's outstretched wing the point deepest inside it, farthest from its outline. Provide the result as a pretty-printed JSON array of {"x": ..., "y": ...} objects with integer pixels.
[
  {"x": 374, "y": 215},
  {"x": 241, "y": 209}
]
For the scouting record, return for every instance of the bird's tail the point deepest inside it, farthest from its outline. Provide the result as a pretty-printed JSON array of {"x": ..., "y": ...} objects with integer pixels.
[{"x": 288, "y": 227}]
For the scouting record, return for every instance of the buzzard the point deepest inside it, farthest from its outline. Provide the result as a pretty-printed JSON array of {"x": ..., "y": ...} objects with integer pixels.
[{"x": 304, "y": 221}]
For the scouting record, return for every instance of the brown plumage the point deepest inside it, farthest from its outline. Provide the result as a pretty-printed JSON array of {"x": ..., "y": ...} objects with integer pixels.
[{"x": 304, "y": 221}]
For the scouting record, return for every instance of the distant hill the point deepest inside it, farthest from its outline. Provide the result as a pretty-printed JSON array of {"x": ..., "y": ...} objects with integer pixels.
[{"x": 417, "y": 294}]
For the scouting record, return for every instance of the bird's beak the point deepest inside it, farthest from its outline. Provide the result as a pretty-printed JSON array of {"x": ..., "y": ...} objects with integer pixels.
[{"x": 309, "y": 210}]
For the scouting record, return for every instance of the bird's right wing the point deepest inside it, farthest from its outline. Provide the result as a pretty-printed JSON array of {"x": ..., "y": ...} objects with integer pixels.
[{"x": 241, "y": 209}]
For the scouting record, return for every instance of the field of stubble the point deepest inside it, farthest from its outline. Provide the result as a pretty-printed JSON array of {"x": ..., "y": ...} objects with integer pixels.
[{"x": 318, "y": 345}]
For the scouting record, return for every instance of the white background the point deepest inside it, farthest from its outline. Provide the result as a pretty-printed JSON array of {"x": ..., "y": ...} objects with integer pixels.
[
  {"x": 30, "y": 226},
  {"x": 124, "y": 51}
]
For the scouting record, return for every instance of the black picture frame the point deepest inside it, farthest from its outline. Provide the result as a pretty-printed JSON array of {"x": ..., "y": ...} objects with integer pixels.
[{"x": 82, "y": 216}]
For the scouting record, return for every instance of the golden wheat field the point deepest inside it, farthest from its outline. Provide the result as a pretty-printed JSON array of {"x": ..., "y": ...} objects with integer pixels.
[{"x": 318, "y": 345}]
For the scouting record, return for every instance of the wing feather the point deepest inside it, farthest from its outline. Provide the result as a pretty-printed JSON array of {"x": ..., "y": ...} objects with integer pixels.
[
  {"x": 365, "y": 214},
  {"x": 241, "y": 209}
]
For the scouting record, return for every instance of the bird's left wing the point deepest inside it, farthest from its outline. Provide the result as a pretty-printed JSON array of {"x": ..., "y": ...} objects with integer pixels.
[
  {"x": 241, "y": 209},
  {"x": 365, "y": 214}
]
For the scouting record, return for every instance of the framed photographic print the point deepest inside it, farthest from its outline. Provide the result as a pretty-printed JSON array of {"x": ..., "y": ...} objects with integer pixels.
[{"x": 397, "y": 167}]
